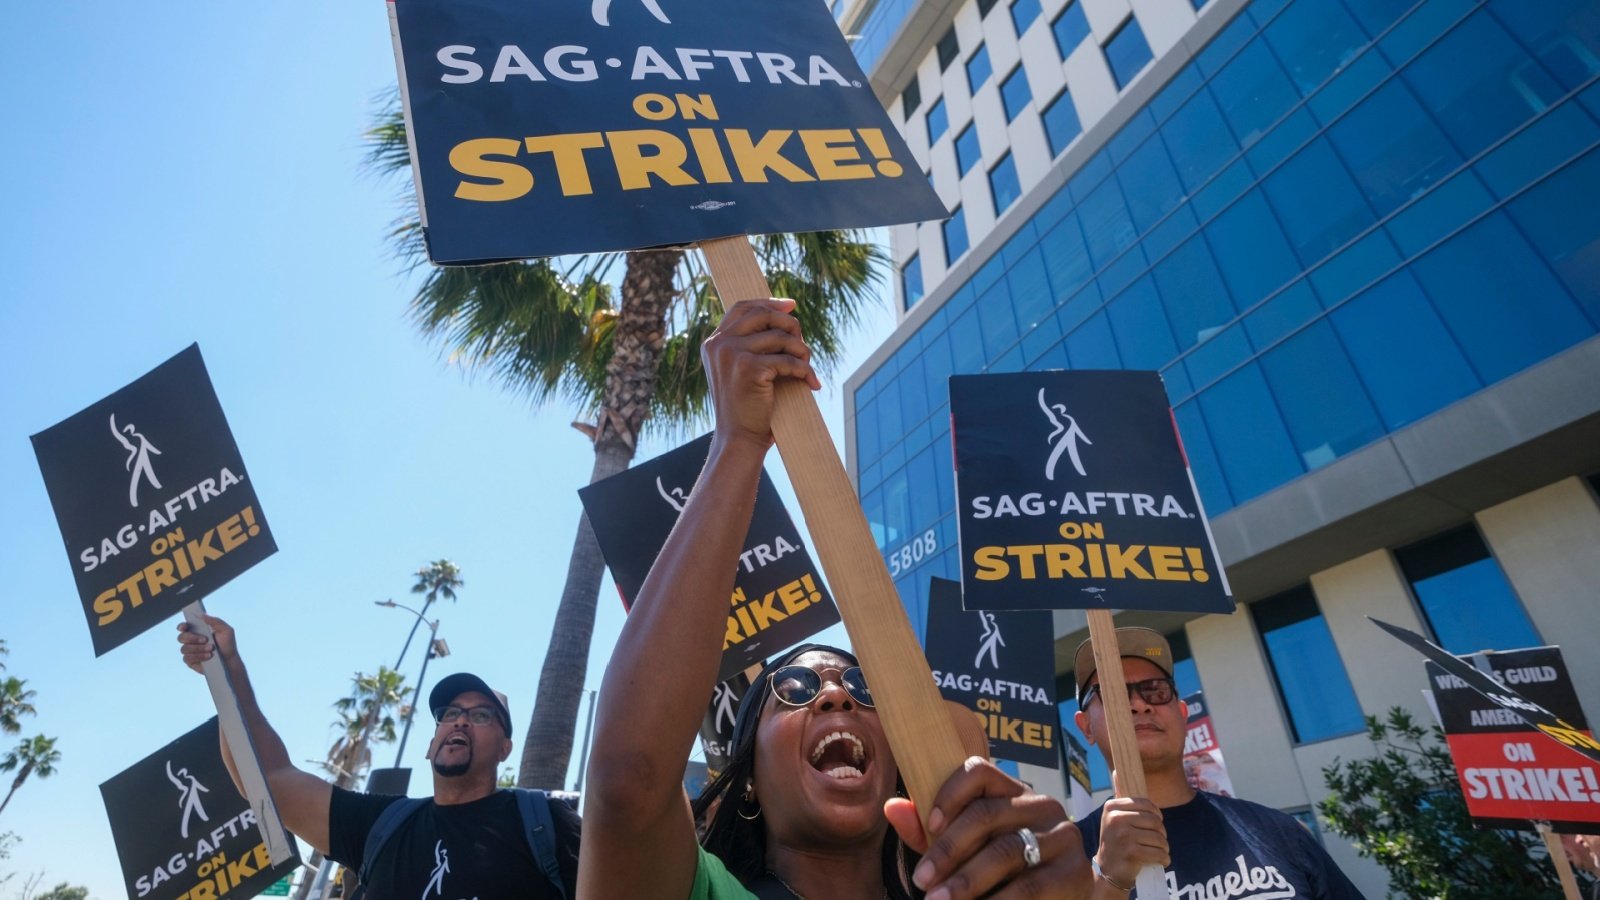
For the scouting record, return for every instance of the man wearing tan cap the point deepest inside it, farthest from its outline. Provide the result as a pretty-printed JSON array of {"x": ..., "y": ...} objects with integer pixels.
[{"x": 1214, "y": 847}]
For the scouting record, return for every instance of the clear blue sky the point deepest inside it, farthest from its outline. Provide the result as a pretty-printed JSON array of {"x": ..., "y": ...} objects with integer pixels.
[{"x": 189, "y": 171}]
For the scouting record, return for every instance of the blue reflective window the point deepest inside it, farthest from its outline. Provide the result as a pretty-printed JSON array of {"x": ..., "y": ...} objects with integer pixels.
[
  {"x": 997, "y": 319},
  {"x": 978, "y": 69},
  {"x": 1066, "y": 262},
  {"x": 1023, "y": 12},
  {"x": 955, "y": 236},
  {"x": 1563, "y": 34},
  {"x": 1061, "y": 123},
  {"x": 1015, "y": 94},
  {"x": 1106, "y": 225},
  {"x": 1355, "y": 267},
  {"x": 1407, "y": 358},
  {"x": 911, "y": 281},
  {"x": 1218, "y": 355},
  {"x": 944, "y": 479},
  {"x": 1248, "y": 433},
  {"x": 1560, "y": 218},
  {"x": 1202, "y": 458},
  {"x": 867, "y": 447},
  {"x": 1316, "y": 201},
  {"x": 1548, "y": 142},
  {"x": 1139, "y": 323},
  {"x": 1470, "y": 278},
  {"x": 1254, "y": 91},
  {"x": 938, "y": 120},
  {"x": 1091, "y": 346},
  {"x": 1438, "y": 212},
  {"x": 1310, "y": 676},
  {"x": 896, "y": 509},
  {"x": 924, "y": 493},
  {"x": 966, "y": 344},
  {"x": 937, "y": 365},
  {"x": 1030, "y": 289},
  {"x": 1290, "y": 308},
  {"x": 1313, "y": 40},
  {"x": 1393, "y": 147},
  {"x": 1323, "y": 402},
  {"x": 1463, "y": 594},
  {"x": 1070, "y": 28},
  {"x": 1128, "y": 52},
  {"x": 1150, "y": 183},
  {"x": 1250, "y": 250},
  {"x": 1197, "y": 301},
  {"x": 968, "y": 153},
  {"x": 1479, "y": 83},
  {"x": 913, "y": 393},
  {"x": 1003, "y": 184},
  {"x": 1199, "y": 140}
]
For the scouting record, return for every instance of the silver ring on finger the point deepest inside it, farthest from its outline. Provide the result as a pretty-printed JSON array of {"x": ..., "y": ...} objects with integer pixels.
[{"x": 1030, "y": 847}]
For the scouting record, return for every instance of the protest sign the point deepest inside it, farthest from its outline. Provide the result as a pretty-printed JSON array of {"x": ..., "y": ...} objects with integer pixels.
[
  {"x": 1073, "y": 493},
  {"x": 1510, "y": 774},
  {"x": 716, "y": 729},
  {"x": 1501, "y": 695},
  {"x": 1001, "y": 666},
  {"x": 1075, "y": 767},
  {"x": 1203, "y": 765},
  {"x": 539, "y": 129},
  {"x": 153, "y": 501},
  {"x": 182, "y": 831},
  {"x": 778, "y": 599}
]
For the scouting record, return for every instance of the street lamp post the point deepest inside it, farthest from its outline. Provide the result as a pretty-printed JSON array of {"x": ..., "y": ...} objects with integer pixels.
[{"x": 436, "y": 647}]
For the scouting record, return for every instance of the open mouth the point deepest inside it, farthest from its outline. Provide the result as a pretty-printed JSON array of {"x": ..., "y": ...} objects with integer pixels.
[
  {"x": 840, "y": 754},
  {"x": 456, "y": 740}
]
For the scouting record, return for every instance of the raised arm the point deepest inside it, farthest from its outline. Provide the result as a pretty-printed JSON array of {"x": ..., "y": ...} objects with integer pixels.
[
  {"x": 638, "y": 834},
  {"x": 302, "y": 798}
]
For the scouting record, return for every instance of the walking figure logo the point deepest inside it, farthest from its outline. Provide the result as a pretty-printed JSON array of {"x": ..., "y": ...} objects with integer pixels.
[
  {"x": 189, "y": 791},
  {"x": 675, "y": 497},
  {"x": 601, "y": 9},
  {"x": 441, "y": 867},
  {"x": 139, "y": 449},
  {"x": 1066, "y": 436},
  {"x": 724, "y": 704},
  {"x": 992, "y": 641}
]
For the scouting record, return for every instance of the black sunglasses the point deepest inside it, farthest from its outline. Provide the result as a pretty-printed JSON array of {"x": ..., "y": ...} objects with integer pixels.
[
  {"x": 799, "y": 685},
  {"x": 1154, "y": 691}
]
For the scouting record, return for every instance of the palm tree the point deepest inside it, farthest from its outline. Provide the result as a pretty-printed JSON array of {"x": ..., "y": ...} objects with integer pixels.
[
  {"x": 35, "y": 756},
  {"x": 366, "y": 717},
  {"x": 15, "y": 702},
  {"x": 553, "y": 329},
  {"x": 439, "y": 578}
]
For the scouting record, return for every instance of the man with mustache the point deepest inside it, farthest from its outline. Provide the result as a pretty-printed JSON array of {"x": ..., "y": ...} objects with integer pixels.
[
  {"x": 1212, "y": 847},
  {"x": 470, "y": 839}
]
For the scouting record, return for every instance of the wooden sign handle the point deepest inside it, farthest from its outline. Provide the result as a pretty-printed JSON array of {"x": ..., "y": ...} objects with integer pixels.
[
  {"x": 231, "y": 721},
  {"x": 1558, "y": 858},
  {"x": 913, "y": 713},
  {"x": 1152, "y": 881}
]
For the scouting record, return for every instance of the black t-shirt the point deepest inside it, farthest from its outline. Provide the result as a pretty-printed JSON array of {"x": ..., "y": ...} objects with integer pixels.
[
  {"x": 1228, "y": 849},
  {"x": 472, "y": 850}
]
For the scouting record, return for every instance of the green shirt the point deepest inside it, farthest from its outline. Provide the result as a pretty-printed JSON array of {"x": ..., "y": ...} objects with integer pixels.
[{"x": 713, "y": 881}]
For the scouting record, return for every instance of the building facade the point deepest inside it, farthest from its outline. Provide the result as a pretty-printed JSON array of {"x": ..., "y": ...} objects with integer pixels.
[{"x": 1360, "y": 240}]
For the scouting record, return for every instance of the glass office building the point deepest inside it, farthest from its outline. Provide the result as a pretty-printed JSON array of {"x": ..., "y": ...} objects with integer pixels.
[{"x": 1360, "y": 240}]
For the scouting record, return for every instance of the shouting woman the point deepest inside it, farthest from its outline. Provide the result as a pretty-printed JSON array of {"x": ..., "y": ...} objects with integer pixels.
[{"x": 809, "y": 805}]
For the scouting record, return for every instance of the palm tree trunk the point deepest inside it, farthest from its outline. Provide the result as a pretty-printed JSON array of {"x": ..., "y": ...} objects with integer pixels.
[
  {"x": 27, "y": 769},
  {"x": 647, "y": 295}
]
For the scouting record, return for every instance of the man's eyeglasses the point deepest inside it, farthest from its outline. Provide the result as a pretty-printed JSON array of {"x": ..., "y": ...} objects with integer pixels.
[
  {"x": 1154, "y": 691},
  {"x": 476, "y": 715},
  {"x": 799, "y": 685}
]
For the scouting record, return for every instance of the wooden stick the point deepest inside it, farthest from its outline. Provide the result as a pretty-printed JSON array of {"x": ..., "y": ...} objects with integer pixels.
[
  {"x": 1152, "y": 881},
  {"x": 231, "y": 721},
  {"x": 1558, "y": 858},
  {"x": 926, "y": 745}
]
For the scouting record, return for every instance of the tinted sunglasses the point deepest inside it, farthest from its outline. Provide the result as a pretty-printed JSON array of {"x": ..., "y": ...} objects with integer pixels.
[
  {"x": 1154, "y": 691},
  {"x": 799, "y": 685}
]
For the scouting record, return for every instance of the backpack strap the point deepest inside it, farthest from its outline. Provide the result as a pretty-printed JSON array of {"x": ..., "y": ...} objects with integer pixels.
[
  {"x": 389, "y": 821},
  {"x": 540, "y": 830}
]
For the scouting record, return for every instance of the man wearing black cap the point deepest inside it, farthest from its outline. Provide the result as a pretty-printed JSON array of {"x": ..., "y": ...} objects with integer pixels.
[
  {"x": 1212, "y": 846},
  {"x": 471, "y": 839}
]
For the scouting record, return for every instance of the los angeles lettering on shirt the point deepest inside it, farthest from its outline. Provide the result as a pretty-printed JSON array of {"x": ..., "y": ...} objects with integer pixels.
[{"x": 1229, "y": 849}]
